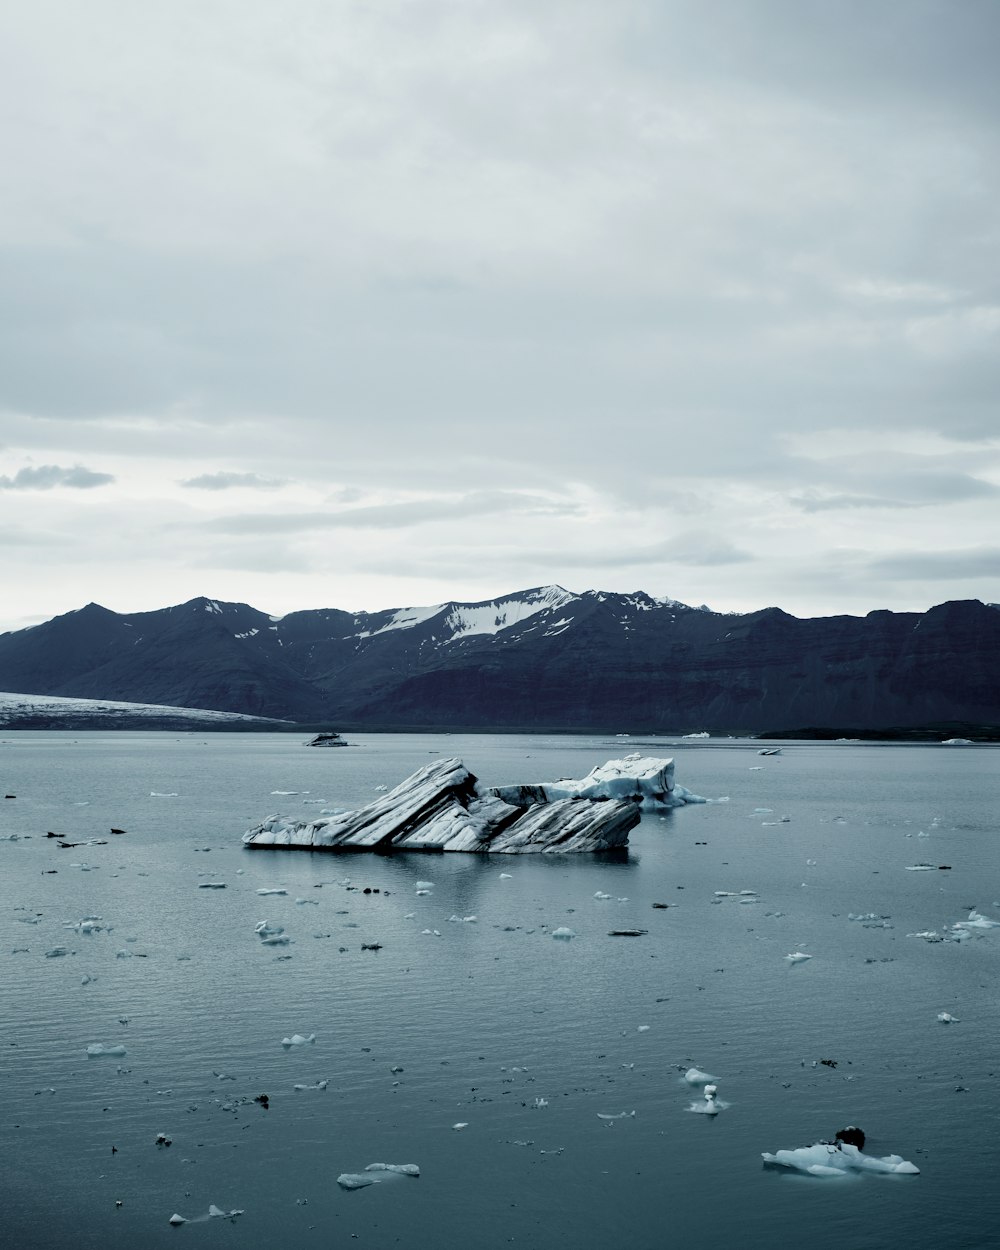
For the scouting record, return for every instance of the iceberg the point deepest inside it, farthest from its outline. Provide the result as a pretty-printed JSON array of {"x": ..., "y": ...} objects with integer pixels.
[
  {"x": 838, "y": 1159},
  {"x": 646, "y": 779},
  {"x": 443, "y": 807}
]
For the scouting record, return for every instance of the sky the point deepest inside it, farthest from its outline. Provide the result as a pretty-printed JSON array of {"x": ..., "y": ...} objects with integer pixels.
[{"x": 345, "y": 304}]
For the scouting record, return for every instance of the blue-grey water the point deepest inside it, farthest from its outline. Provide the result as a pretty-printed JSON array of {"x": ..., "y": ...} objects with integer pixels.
[{"x": 491, "y": 1022}]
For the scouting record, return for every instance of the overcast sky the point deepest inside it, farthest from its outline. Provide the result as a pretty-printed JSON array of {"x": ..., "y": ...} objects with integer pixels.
[{"x": 372, "y": 303}]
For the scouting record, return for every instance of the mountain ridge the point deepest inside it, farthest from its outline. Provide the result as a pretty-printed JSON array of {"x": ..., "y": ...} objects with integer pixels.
[{"x": 544, "y": 657}]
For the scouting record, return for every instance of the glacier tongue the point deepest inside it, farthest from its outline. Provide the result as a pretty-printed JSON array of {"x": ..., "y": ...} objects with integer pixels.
[{"x": 442, "y": 807}]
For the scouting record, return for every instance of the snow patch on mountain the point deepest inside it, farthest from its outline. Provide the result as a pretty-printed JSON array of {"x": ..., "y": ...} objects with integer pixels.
[
  {"x": 404, "y": 618},
  {"x": 491, "y": 618},
  {"x": 464, "y": 619}
]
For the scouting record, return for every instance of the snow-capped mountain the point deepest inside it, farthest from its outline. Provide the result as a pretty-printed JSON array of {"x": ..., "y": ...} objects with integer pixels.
[{"x": 540, "y": 658}]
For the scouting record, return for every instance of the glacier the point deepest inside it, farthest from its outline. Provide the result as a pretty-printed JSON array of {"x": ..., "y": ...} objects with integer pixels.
[
  {"x": 21, "y": 710},
  {"x": 443, "y": 807}
]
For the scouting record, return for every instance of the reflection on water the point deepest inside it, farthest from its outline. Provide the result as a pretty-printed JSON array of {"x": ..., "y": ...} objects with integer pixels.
[{"x": 425, "y": 1019}]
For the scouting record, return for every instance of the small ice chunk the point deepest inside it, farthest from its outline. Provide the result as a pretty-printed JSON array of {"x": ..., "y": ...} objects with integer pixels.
[
  {"x": 404, "y": 1169},
  {"x": 461, "y": 1124},
  {"x": 98, "y": 1048},
  {"x": 620, "y": 1115},
  {"x": 505, "y": 876},
  {"x": 695, "y": 1076},
  {"x": 563, "y": 934},
  {"x": 276, "y": 891},
  {"x": 425, "y": 885},
  {"x": 177, "y": 1220},
  {"x": 356, "y": 1180},
  {"x": 797, "y": 957},
  {"x": 297, "y": 1039},
  {"x": 947, "y": 1018}
]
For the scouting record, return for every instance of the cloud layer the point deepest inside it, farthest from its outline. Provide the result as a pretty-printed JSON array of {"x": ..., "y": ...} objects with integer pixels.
[{"x": 367, "y": 305}]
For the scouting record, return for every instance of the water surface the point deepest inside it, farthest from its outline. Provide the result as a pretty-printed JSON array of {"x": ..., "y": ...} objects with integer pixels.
[{"x": 492, "y": 1022}]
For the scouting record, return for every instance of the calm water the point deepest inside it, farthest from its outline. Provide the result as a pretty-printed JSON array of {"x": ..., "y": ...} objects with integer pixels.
[{"x": 489, "y": 1016}]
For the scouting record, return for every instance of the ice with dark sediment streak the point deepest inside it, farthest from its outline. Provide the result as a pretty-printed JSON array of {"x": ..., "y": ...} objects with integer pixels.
[
  {"x": 442, "y": 807},
  {"x": 838, "y": 1159},
  {"x": 359, "y": 1180}
]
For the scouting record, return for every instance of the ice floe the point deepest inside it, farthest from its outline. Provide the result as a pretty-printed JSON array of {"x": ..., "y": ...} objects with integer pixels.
[
  {"x": 374, "y": 1173},
  {"x": 837, "y": 1159}
]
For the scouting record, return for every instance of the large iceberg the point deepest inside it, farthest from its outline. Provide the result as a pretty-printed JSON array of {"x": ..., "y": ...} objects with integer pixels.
[{"x": 443, "y": 807}]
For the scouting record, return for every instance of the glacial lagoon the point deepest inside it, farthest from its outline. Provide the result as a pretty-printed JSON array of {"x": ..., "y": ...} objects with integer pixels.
[{"x": 452, "y": 1004}]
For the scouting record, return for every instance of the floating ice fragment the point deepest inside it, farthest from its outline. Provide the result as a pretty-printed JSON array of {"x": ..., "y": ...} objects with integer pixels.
[
  {"x": 947, "y": 1018},
  {"x": 461, "y": 1124},
  {"x": 563, "y": 934},
  {"x": 381, "y": 789},
  {"x": 274, "y": 891},
  {"x": 163, "y": 794},
  {"x": 355, "y": 1180},
  {"x": 541, "y": 1102},
  {"x": 404, "y": 1169},
  {"x": 95, "y": 1049},
  {"x": 425, "y": 885},
  {"x": 318, "y": 1085},
  {"x": 505, "y": 876},
  {"x": 287, "y": 792},
  {"x": 695, "y": 1076},
  {"x": 830, "y": 1159},
  {"x": 797, "y": 957},
  {"x": 621, "y": 1115},
  {"x": 601, "y": 894},
  {"x": 711, "y": 1105},
  {"x": 297, "y": 1039},
  {"x": 177, "y": 1220},
  {"x": 977, "y": 921},
  {"x": 919, "y": 867}
]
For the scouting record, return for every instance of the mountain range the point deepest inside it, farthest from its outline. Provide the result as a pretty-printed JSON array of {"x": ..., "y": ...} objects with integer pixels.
[{"x": 543, "y": 659}]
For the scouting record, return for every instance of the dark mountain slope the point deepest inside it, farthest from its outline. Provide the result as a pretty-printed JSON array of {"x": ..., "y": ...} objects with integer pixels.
[{"x": 541, "y": 658}]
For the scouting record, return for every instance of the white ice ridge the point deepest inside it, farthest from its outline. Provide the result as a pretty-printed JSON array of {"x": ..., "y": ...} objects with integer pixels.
[
  {"x": 14, "y": 707},
  {"x": 837, "y": 1159},
  {"x": 644, "y": 778},
  {"x": 442, "y": 807}
]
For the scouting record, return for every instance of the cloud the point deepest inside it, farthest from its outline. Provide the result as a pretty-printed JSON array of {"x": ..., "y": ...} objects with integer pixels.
[
  {"x": 227, "y": 481},
  {"x": 695, "y": 550},
  {"x": 904, "y": 487},
  {"x": 394, "y": 515},
  {"x": 49, "y": 476},
  {"x": 967, "y": 562}
]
